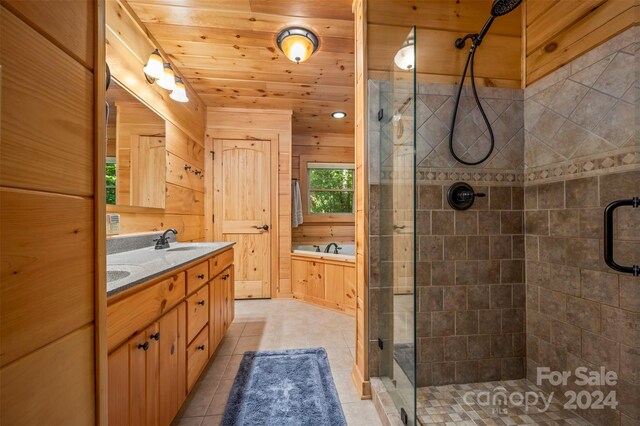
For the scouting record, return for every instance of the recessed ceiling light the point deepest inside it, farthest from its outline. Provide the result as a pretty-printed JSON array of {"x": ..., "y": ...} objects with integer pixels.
[{"x": 339, "y": 114}]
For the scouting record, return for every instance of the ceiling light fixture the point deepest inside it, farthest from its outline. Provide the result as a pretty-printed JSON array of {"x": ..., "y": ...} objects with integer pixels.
[
  {"x": 168, "y": 79},
  {"x": 339, "y": 114},
  {"x": 405, "y": 57},
  {"x": 179, "y": 94},
  {"x": 155, "y": 66},
  {"x": 297, "y": 44}
]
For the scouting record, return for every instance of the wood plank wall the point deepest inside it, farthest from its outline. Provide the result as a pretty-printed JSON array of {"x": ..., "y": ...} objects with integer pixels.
[
  {"x": 360, "y": 372},
  {"x": 238, "y": 123},
  {"x": 128, "y": 47},
  {"x": 327, "y": 147},
  {"x": 48, "y": 277},
  {"x": 439, "y": 23},
  {"x": 559, "y": 31}
]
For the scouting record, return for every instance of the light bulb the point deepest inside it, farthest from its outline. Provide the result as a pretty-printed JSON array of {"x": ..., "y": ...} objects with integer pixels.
[
  {"x": 405, "y": 57},
  {"x": 179, "y": 94},
  {"x": 297, "y": 44},
  {"x": 168, "y": 79},
  {"x": 155, "y": 66}
]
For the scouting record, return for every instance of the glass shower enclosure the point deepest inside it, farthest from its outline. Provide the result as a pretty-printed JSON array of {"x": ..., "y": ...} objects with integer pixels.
[{"x": 397, "y": 224}]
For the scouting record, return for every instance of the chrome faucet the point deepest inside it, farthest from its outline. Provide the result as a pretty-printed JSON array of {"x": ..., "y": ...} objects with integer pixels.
[
  {"x": 328, "y": 247},
  {"x": 163, "y": 241}
]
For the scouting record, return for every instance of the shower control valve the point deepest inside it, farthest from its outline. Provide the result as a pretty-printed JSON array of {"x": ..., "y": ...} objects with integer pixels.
[{"x": 461, "y": 196}]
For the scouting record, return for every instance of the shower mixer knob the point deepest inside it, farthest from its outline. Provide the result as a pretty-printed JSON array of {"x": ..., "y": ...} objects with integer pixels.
[{"x": 461, "y": 196}]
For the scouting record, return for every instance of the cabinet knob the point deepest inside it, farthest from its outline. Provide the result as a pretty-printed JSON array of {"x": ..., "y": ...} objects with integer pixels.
[
  {"x": 155, "y": 336},
  {"x": 200, "y": 348},
  {"x": 144, "y": 346},
  {"x": 201, "y": 302},
  {"x": 201, "y": 276}
]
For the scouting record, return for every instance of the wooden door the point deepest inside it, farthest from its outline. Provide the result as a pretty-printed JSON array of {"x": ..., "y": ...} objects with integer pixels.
[
  {"x": 232, "y": 295},
  {"x": 144, "y": 361},
  {"x": 137, "y": 379},
  {"x": 152, "y": 370},
  {"x": 215, "y": 317},
  {"x": 299, "y": 278},
  {"x": 246, "y": 213},
  {"x": 169, "y": 367},
  {"x": 118, "y": 384}
]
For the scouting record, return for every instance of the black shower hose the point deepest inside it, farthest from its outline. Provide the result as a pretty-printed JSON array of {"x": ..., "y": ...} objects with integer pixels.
[{"x": 470, "y": 59}]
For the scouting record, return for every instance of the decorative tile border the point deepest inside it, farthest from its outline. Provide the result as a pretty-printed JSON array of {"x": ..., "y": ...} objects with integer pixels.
[
  {"x": 621, "y": 160},
  {"x": 443, "y": 176}
]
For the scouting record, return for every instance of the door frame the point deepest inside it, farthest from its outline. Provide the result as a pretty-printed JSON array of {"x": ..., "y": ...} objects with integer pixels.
[{"x": 213, "y": 163}]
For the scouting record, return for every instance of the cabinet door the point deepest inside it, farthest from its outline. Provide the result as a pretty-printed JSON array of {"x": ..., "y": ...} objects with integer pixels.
[
  {"x": 119, "y": 387},
  {"x": 152, "y": 373},
  {"x": 232, "y": 295},
  {"x": 299, "y": 278},
  {"x": 225, "y": 301},
  {"x": 215, "y": 297},
  {"x": 137, "y": 379},
  {"x": 350, "y": 287},
  {"x": 168, "y": 368},
  {"x": 334, "y": 284},
  {"x": 315, "y": 280}
]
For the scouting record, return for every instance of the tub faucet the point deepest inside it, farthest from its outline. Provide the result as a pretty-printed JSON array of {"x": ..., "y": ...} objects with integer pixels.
[
  {"x": 328, "y": 247},
  {"x": 317, "y": 248},
  {"x": 163, "y": 241}
]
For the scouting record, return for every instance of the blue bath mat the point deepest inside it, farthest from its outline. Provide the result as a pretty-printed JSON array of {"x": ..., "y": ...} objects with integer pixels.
[{"x": 279, "y": 388}]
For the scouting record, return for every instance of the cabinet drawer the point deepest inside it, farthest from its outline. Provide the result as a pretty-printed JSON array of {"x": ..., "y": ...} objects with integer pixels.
[
  {"x": 197, "y": 357},
  {"x": 220, "y": 262},
  {"x": 197, "y": 312},
  {"x": 130, "y": 315},
  {"x": 197, "y": 276}
]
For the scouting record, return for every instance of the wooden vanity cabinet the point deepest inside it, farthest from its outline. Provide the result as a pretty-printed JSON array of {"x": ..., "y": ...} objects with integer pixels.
[
  {"x": 151, "y": 373},
  {"x": 144, "y": 374}
]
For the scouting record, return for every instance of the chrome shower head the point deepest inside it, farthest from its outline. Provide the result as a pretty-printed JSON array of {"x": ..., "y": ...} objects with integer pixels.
[{"x": 502, "y": 7}]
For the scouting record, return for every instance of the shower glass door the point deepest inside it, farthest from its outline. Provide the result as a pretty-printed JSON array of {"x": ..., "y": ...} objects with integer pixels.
[{"x": 397, "y": 229}]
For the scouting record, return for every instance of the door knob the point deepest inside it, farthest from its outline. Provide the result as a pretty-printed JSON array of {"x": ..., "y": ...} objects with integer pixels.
[
  {"x": 155, "y": 336},
  {"x": 263, "y": 227},
  {"x": 144, "y": 346}
]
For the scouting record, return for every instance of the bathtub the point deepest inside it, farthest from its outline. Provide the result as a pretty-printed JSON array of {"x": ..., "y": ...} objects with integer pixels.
[{"x": 346, "y": 251}]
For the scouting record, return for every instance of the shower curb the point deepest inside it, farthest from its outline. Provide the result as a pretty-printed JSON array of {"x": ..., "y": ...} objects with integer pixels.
[{"x": 386, "y": 409}]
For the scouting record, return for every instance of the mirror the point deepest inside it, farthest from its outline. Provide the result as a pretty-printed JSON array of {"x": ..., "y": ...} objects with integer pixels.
[{"x": 136, "y": 155}]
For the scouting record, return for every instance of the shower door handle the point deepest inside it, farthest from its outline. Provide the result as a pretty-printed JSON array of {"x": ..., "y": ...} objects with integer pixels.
[{"x": 608, "y": 236}]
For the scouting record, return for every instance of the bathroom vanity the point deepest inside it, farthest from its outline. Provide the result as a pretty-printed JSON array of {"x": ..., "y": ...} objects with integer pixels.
[{"x": 167, "y": 312}]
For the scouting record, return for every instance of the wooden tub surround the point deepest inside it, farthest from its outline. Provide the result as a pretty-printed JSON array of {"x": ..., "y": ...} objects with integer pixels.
[
  {"x": 325, "y": 281},
  {"x": 161, "y": 335}
]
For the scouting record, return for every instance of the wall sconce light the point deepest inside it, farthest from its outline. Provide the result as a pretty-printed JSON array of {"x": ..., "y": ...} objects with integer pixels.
[
  {"x": 158, "y": 71},
  {"x": 179, "y": 94},
  {"x": 405, "y": 57},
  {"x": 168, "y": 79},
  {"x": 154, "y": 69},
  {"x": 297, "y": 44}
]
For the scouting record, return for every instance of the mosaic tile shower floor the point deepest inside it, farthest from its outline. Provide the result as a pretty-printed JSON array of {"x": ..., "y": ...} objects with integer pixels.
[{"x": 447, "y": 405}]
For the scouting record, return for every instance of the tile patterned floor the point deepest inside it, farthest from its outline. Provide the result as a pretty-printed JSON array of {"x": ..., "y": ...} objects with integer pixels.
[
  {"x": 446, "y": 405},
  {"x": 278, "y": 324}
]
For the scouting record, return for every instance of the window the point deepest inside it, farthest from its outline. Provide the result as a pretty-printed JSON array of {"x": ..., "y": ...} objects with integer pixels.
[
  {"x": 111, "y": 180},
  {"x": 330, "y": 188}
]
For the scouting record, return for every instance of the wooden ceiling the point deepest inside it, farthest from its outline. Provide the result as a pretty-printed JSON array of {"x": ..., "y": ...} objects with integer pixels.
[
  {"x": 227, "y": 51},
  {"x": 439, "y": 23}
]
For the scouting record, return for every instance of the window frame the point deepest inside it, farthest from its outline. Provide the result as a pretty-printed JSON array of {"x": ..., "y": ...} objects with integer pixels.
[{"x": 334, "y": 161}]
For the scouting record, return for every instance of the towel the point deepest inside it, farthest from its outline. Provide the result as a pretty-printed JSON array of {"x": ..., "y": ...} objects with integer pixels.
[{"x": 296, "y": 204}]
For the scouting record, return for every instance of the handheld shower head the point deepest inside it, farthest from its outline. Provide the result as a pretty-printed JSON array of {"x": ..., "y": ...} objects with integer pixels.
[
  {"x": 502, "y": 7},
  {"x": 499, "y": 8}
]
